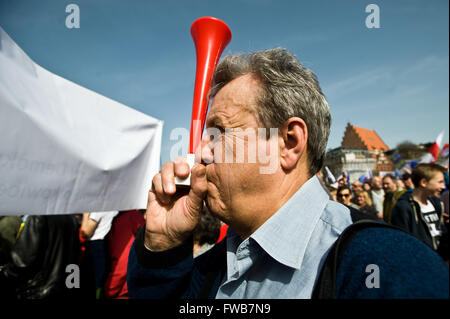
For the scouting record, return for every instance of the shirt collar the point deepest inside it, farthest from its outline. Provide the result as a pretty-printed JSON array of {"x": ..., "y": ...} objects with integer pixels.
[{"x": 285, "y": 235}]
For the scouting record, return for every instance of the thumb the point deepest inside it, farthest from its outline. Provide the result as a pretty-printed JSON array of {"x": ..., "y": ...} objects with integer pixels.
[{"x": 198, "y": 189}]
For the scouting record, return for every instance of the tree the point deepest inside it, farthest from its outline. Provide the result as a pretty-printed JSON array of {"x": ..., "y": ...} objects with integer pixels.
[{"x": 409, "y": 151}]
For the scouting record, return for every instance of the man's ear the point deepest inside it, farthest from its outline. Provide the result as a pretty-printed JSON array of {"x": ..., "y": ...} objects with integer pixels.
[
  {"x": 423, "y": 182},
  {"x": 294, "y": 135}
]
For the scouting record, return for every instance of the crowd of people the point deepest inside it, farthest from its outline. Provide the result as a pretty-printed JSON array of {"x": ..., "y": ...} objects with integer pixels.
[{"x": 417, "y": 201}]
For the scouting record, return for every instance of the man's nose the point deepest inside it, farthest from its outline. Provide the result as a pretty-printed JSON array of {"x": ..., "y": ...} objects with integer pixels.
[{"x": 205, "y": 152}]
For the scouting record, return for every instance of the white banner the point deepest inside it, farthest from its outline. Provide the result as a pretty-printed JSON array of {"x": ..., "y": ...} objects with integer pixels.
[{"x": 66, "y": 149}]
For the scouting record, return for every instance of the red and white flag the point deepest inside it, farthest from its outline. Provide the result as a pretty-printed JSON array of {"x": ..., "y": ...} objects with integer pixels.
[{"x": 434, "y": 149}]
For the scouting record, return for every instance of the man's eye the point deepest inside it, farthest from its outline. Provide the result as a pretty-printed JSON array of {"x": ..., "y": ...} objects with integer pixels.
[{"x": 221, "y": 129}]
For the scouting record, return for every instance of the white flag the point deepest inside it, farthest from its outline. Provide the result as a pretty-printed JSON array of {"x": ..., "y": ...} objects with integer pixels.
[
  {"x": 330, "y": 175},
  {"x": 66, "y": 149}
]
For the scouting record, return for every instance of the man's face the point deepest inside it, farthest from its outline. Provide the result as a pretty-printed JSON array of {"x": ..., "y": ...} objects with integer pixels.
[
  {"x": 435, "y": 185},
  {"x": 389, "y": 185},
  {"x": 235, "y": 185},
  {"x": 376, "y": 183},
  {"x": 400, "y": 184},
  {"x": 356, "y": 186},
  {"x": 344, "y": 196}
]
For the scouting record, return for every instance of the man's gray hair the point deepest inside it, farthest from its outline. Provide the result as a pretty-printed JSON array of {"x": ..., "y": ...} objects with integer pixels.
[{"x": 288, "y": 90}]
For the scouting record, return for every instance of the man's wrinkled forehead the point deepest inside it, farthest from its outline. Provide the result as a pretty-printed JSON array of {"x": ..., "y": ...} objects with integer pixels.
[{"x": 239, "y": 97}]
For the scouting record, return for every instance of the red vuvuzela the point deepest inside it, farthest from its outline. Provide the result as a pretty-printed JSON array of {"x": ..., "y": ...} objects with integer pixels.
[{"x": 210, "y": 36}]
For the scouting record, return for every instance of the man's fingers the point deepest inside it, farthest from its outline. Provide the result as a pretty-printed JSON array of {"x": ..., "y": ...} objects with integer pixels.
[
  {"x": 157, "y": 187},
  {"x": 198, "y": 179},
  {"x": 198, "y": 189},
  {"x": 163, "y": 184},
  {"x": 151, "y": 196},
  {"x": 168, "y": 178}
]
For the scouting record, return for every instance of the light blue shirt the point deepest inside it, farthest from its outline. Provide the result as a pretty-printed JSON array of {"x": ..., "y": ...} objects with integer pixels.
[{"x": 283, "y": 257}]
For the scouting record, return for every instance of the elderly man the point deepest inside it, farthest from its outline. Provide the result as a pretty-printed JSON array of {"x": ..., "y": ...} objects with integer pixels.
[{"x": 281, "y": 223}]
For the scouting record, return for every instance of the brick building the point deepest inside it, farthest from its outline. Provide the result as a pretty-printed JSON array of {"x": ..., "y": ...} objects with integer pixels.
[
  {"x": 364, "y": 139},
  {"x": 361, "y": 150}
]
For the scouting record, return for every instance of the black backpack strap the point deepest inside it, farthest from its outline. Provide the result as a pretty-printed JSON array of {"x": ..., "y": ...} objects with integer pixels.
[
  {"x": 357, "y": 215},
  {"x": 326, "y": 283},
  {"x": 208, "y": 284}
]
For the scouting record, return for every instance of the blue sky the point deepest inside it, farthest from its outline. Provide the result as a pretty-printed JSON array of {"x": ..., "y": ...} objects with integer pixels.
[{"x": 393, "y": 80}]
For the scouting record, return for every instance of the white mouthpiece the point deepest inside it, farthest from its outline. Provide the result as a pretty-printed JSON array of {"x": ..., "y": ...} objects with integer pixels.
[{"x": 190, "y": 159}]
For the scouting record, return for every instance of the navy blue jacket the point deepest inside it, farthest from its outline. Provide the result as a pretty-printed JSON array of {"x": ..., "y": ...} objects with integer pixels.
[
  {"x": 407, "y": 215},
  {"x": 407, "y": 269}
]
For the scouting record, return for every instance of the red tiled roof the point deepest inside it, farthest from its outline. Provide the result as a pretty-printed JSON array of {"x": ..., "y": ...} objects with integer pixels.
[{"x": 370, "y": 139}]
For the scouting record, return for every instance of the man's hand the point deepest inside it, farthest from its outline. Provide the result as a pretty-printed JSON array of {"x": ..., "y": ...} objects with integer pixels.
[{"x": 171, "y": 213}]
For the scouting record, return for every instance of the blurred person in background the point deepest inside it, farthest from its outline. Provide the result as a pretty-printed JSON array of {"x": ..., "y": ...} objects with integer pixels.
[
  {"x": 445, "y": 199},
  {"x": 9, "y": 230},
  {"x": 377, "y": 195},
  {"x": 206, "y": 233},
  {"x": 367, "y": 186},
  {"x": 420, "y": 212},
  {"x": 332, "y": 189},
  {"x": 400, "y": 185},
  {"x": 356, "y": 186},
  {"x": 391, "y": 195},
  {"x": 344, "y": 196},
  {"x": 407, "y": 181},
  {"x": 94, "y": 229},
  {"x": 120, "y": 239},
  {"x": 365, "y": 203},
  {"x": 46, "y": 245}
]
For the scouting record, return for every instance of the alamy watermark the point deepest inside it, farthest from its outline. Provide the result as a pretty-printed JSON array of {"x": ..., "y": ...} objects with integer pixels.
[
  {"x": 373, "y": 19},
  {"x": 73, "y": 279},
  {"x": 73, "y": 19},
  {"x": 232, "y": 146},
  {"x": 373, "y": 279}
]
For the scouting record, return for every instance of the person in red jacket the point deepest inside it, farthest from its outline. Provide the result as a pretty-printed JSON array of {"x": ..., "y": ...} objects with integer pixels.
[{"x": 121, "y": 238}]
